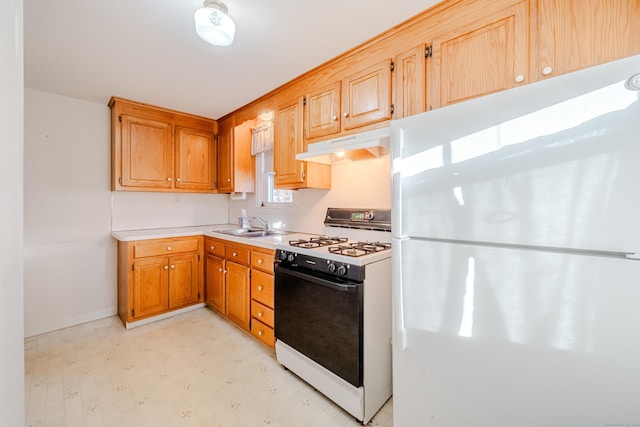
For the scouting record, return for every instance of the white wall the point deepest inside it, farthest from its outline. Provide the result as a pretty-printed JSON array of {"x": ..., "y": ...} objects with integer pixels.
[
  {"x": 11, "y": 224},
  {"x": 361, "y": 184},
  {"x": 69, "y": 212},
  {"x": 69, "y": 255}
]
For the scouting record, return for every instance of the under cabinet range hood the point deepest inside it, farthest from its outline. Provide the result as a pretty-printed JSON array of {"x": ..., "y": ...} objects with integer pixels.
[{"x": 361, "y": 146}]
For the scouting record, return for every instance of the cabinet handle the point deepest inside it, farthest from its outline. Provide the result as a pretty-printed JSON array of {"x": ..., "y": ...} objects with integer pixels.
[
  {"x": 178, "y": 179},
  {"x": 334, "y": 118},
  {"x": 519, "y": 78},
  {"x": 260, "y": 261},
  {"x": 260, "y": 333},
  {"x": 169, "y": 179},
  {"x": 228, "y": 179},
  {"x": 166, "y": 267},
  {"x": 235, "y": 254},
  {"x": 169, "y": 248},
  {"x": 220, "y": 270},
  {"x": 260, "y": 288},
  {"x": 259, "y": 314},
  {"x": 547, "y": 70},
  {"x": 345, "y": 114},
  {"x": 173, "y": 266},
  {"x": 213, "y": 247}
]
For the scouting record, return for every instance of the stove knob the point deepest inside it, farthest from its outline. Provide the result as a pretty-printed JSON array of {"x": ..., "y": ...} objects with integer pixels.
[
  {"x": 331, "y": 267},
  {"x": 283, "y": 255},
  {"x": 342, "y": 270},
  {"x": 291, "y": 257}
]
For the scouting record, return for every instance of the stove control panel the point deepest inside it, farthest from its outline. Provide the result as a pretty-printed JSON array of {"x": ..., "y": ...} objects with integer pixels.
[{"x": 294, "y": 260}]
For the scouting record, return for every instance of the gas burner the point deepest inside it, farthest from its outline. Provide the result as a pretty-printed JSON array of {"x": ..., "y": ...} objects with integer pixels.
[
  {"x": 316, "y": 242},
  {"x": 357, "y": 249}
]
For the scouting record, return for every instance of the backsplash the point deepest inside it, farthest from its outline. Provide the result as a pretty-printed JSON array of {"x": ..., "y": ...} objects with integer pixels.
[{"x": 140, "y": 210}]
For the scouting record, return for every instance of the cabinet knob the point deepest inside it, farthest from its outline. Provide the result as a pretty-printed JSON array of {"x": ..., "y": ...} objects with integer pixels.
[
  {"x": 220, "y": 270},
  {"x": 547, "y": 70},
  {"x": 345, "y": 114},
  {"x": 228, "y": 179},
  {"x": 260, "y": 333},
  {"x": 178, "y": 179},
  {"x": 173, "y": 266},
  {"x": 166, "y": 267},
  {"x": 213, "y": 247},
  {"x": 169, "y": 248},
  {"x": 235, "y": 254},
  {"x": 334, "y": 118},
  {"x": 519, "y": 78},
  {"x": 260, "y": 288},
  {"x": 260, "y": 261},
  {"x": 169, "y": 179},
  {"x": 259, "y": 314}
]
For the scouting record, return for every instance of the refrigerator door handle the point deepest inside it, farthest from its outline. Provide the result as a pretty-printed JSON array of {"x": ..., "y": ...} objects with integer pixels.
[
  {"x": 399, "y": 339},
  {"x": 634, "y": 255}
]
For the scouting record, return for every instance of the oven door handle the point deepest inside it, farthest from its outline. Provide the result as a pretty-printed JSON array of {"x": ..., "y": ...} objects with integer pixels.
[{"x": 344, "y": 287}]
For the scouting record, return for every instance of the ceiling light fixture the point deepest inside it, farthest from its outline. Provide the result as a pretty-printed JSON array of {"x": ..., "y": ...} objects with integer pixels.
[{"x": 213, "y": 25}]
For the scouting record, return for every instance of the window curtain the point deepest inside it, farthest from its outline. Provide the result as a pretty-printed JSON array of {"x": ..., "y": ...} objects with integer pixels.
[{"x": 262, "y": 138}]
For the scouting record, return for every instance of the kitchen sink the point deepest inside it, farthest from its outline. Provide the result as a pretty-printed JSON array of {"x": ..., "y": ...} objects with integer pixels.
[{"x": 251, "y": 232}]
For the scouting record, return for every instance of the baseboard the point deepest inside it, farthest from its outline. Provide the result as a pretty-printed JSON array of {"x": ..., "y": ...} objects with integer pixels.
[{"x": 54, "y": 325}]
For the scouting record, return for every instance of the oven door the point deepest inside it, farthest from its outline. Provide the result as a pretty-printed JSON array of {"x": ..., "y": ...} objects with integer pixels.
[{"x": 321, "y": 317}]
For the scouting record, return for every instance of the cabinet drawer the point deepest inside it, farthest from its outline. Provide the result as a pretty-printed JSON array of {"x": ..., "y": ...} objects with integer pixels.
[
  {"x": 262, "y": 313},
  {"x": 214, "y": 247},
  {"x": 237, "y": 254},
  {"x": 262, "y": 332},
  {"x": 263, "y": 260},
  {"x": 262, "y": 288},
  {"x": 155, "y": 247}
]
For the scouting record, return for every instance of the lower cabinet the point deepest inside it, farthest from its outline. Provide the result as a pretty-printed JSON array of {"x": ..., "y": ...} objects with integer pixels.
[
  {"x": 239, "y": 285},
  {"x": 158, "y": 275}
]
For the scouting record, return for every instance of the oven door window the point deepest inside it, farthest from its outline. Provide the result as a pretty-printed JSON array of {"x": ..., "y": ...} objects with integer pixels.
[{"x": 321, "y": 318}]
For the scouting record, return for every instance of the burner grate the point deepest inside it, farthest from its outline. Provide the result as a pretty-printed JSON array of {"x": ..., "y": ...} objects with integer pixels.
[
  {"x": 359, "y": 248},
  {"x": 316, "y": 242}
]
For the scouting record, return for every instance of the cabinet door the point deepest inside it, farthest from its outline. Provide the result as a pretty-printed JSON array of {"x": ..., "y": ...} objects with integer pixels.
[
  {"x": 367, "y": 96},
  {"x": 147, "y": 153},
  {"x": 225, "y": 159},
  {"x": 288, "y": 142},
  {"x": 214, "y": 292},
  {"x": 322, "y": 112},
  {"x": 150, "y": 286},
  {"x": 409, "y": 82},
  {"x": 480, "y": 58},
  {"x": 183, "y": 280},
  {"x": 575, "y": 34},
  {"x": 237, "y": 294},
  {"x": 195, "y": 159}
]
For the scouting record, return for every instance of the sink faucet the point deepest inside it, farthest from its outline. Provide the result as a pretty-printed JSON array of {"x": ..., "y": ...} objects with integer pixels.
[{"x": 265, "y": 224}]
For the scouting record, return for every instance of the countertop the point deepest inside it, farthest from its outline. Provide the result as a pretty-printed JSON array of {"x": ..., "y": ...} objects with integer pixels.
[{"x": 268, "y": 242}]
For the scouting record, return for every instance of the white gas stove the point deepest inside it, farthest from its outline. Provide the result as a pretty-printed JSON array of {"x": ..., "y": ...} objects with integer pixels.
[{"x": 333, "y": 309}]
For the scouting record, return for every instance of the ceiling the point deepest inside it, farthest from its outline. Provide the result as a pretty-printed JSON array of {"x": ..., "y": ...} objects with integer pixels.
[{"x": 148, "y": 50}]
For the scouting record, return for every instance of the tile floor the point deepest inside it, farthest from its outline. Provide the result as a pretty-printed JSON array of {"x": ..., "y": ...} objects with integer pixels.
[{"x": 195, "y": 369}]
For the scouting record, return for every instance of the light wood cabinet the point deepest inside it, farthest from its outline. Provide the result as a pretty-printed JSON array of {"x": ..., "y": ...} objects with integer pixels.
[
  {"x": 158, "y": 275},
  {"x": 409, "y": 82},
  {"x": 289, "y": 141},
  {"x": 575, "y": 34},
  {"x": 322, "y": 115},
  {"x": 366, "y": 96},
  {"x": 236, "y": 165},
  {"x": 227, "y": 280},
  {"x": 155, "y": 149},
  {"x": 471, "y": 59},
  {"x": 262, "y": 296}
]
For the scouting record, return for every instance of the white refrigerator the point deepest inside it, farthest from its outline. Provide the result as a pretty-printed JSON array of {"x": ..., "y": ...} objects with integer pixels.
[{"x": 516, "y": 256}]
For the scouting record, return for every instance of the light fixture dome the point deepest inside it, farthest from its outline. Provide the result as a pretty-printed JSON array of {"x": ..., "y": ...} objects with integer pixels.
[{"x": 213, "y": 24}]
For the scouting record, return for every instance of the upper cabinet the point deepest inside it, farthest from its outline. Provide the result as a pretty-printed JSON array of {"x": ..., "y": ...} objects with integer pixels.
[
  {"x": 236, "y": 167},
  {"x": 288, "y": 141},
  {"x": 359, "y": 99},
  {"x": 475, "y": 55},
  {"x": 155, "y": 149},
  {"x": 575, "y": 34}
]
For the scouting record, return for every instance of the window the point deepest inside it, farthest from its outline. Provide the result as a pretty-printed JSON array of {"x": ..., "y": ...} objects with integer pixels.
[{"x": 266, "y": 193}]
